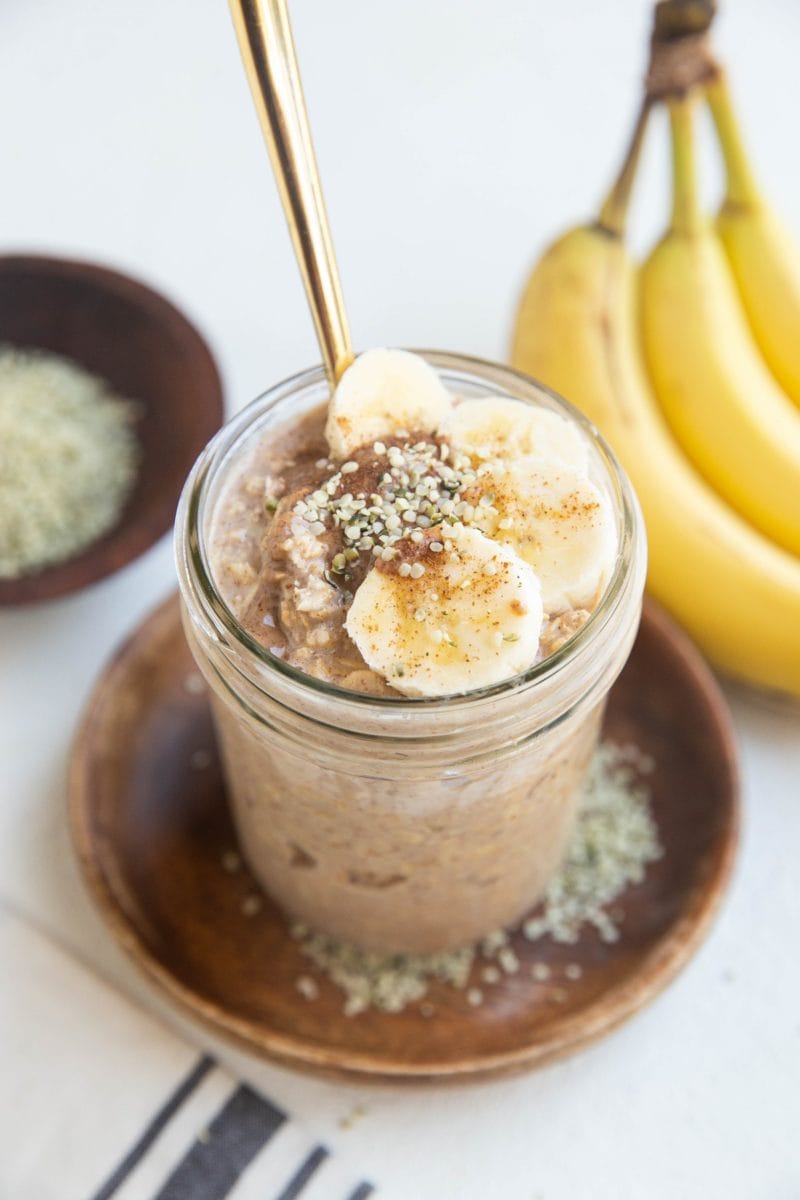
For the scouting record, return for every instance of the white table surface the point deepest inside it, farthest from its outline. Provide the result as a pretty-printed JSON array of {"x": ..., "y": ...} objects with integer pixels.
[{"x": 454, "y": 139}]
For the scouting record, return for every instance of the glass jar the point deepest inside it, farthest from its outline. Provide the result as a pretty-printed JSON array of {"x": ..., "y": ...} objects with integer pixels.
[{"x": 403, "y": 825}]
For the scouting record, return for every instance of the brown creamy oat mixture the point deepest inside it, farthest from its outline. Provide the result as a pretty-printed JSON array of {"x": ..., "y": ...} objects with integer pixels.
[
  {"x": 455, "y": 553},
  {"x": 290, "y": 582}
]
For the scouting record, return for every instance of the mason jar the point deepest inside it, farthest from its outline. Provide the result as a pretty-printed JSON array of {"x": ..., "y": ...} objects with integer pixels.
[{"x": 398, "y": 824}]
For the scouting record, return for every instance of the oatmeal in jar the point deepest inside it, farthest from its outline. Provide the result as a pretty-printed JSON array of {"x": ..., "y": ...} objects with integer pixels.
[
  {"x": 459, "y": 545},
  {"x": 409, "y": 603}
]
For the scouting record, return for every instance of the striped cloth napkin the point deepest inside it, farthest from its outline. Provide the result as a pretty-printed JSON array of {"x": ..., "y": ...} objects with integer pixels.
[{"x": 98, "y": 1100}]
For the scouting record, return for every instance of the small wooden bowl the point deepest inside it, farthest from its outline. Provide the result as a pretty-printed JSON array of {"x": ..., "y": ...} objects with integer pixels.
[
  {"x": 150, "y": 823},
  {"x": 149, "y": 352}
]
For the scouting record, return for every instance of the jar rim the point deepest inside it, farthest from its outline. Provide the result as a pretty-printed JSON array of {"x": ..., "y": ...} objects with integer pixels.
[{"x": 191, "y": 548}]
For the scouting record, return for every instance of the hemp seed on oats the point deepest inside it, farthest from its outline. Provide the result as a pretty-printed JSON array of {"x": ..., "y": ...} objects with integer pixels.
[{"x": 421, "y": 486}]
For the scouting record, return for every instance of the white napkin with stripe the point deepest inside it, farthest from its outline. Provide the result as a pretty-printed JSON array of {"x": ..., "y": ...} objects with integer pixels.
[{"x": 100, "y": 1101}]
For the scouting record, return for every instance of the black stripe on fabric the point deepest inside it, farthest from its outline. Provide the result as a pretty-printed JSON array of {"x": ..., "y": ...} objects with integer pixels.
[
  {"x": 304, "y": 1172},
  {"x": 362, "y": 1191},
  {"x": 211, "y": 1167},
  {"x": 162, "y": 1118}
]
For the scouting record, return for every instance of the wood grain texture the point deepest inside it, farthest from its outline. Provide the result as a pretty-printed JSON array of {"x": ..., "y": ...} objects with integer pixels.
[
  {"x": 150, "y": 824},
  {"x": 149, "y": 352}
]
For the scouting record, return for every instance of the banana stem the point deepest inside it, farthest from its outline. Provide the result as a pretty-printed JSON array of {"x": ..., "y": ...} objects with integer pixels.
[
  {"x": 741, "y": 187},
  {"x": 685, "y": 204},
  {"x": 614, "y": 209}
]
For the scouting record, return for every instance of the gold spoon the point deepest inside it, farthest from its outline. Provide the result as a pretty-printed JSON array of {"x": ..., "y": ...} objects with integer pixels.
[{"x": 267, "y": 48}]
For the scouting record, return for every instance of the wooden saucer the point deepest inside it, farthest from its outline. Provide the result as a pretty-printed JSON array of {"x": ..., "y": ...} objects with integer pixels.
[{"x": 151, "y": 826}]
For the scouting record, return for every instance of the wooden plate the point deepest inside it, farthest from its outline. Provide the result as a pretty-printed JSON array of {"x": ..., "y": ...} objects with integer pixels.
[
  {"x": 150, "y": 824},
  {"x": 148, "y": 351}
]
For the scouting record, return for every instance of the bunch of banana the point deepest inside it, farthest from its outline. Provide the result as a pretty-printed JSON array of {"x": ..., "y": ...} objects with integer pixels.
[
  {"x": 683, "y": 369},
  {"x": 763, "y": 256},
  {"x": 717, "y": 392}
]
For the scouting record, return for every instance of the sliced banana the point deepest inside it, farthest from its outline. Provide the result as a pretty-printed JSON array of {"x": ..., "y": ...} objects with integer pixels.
[
  {"x": 472, "y": 618},
  {"x": 384, "y": 391},
  {"x": 501, "y": 428},
  {"x": 558, "y": 521}
]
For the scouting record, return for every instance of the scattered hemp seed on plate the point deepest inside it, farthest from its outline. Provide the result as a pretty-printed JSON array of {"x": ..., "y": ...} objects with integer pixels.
[
  {"x": 68, "y": 459},
  {"x": 307, "y": 987},
  {"x": 614, "y": 840}
]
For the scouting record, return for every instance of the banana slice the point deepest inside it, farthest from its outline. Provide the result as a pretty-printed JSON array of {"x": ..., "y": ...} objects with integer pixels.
[
  {"x": 470, "y": 618},
  {"x": 382, "y": 392},
  {"x": 502, "y": 428},
  {"x": 555, "y": 519}
]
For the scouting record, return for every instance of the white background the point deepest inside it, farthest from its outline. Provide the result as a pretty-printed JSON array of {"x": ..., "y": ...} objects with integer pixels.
[{"x": 454, "y": 139}]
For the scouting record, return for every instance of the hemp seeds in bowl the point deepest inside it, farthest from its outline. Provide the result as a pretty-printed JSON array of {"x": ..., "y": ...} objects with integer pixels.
[
  {"x": 69, "y": 457},
  {"x": 107, "y": 395}
]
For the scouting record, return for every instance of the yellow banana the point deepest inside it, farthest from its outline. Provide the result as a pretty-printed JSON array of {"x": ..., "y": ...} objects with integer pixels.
[
  {"x": 764, "y": 257},
  {"x": 735, "y": 592},
  {"x": 724, "y": 406}
]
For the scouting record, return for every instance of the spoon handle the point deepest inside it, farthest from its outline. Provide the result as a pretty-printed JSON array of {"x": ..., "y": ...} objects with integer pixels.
[{"x": 267, "y": 48}]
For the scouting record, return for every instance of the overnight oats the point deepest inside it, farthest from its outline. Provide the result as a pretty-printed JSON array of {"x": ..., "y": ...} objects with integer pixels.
[{"x": 409, "y": 604}]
